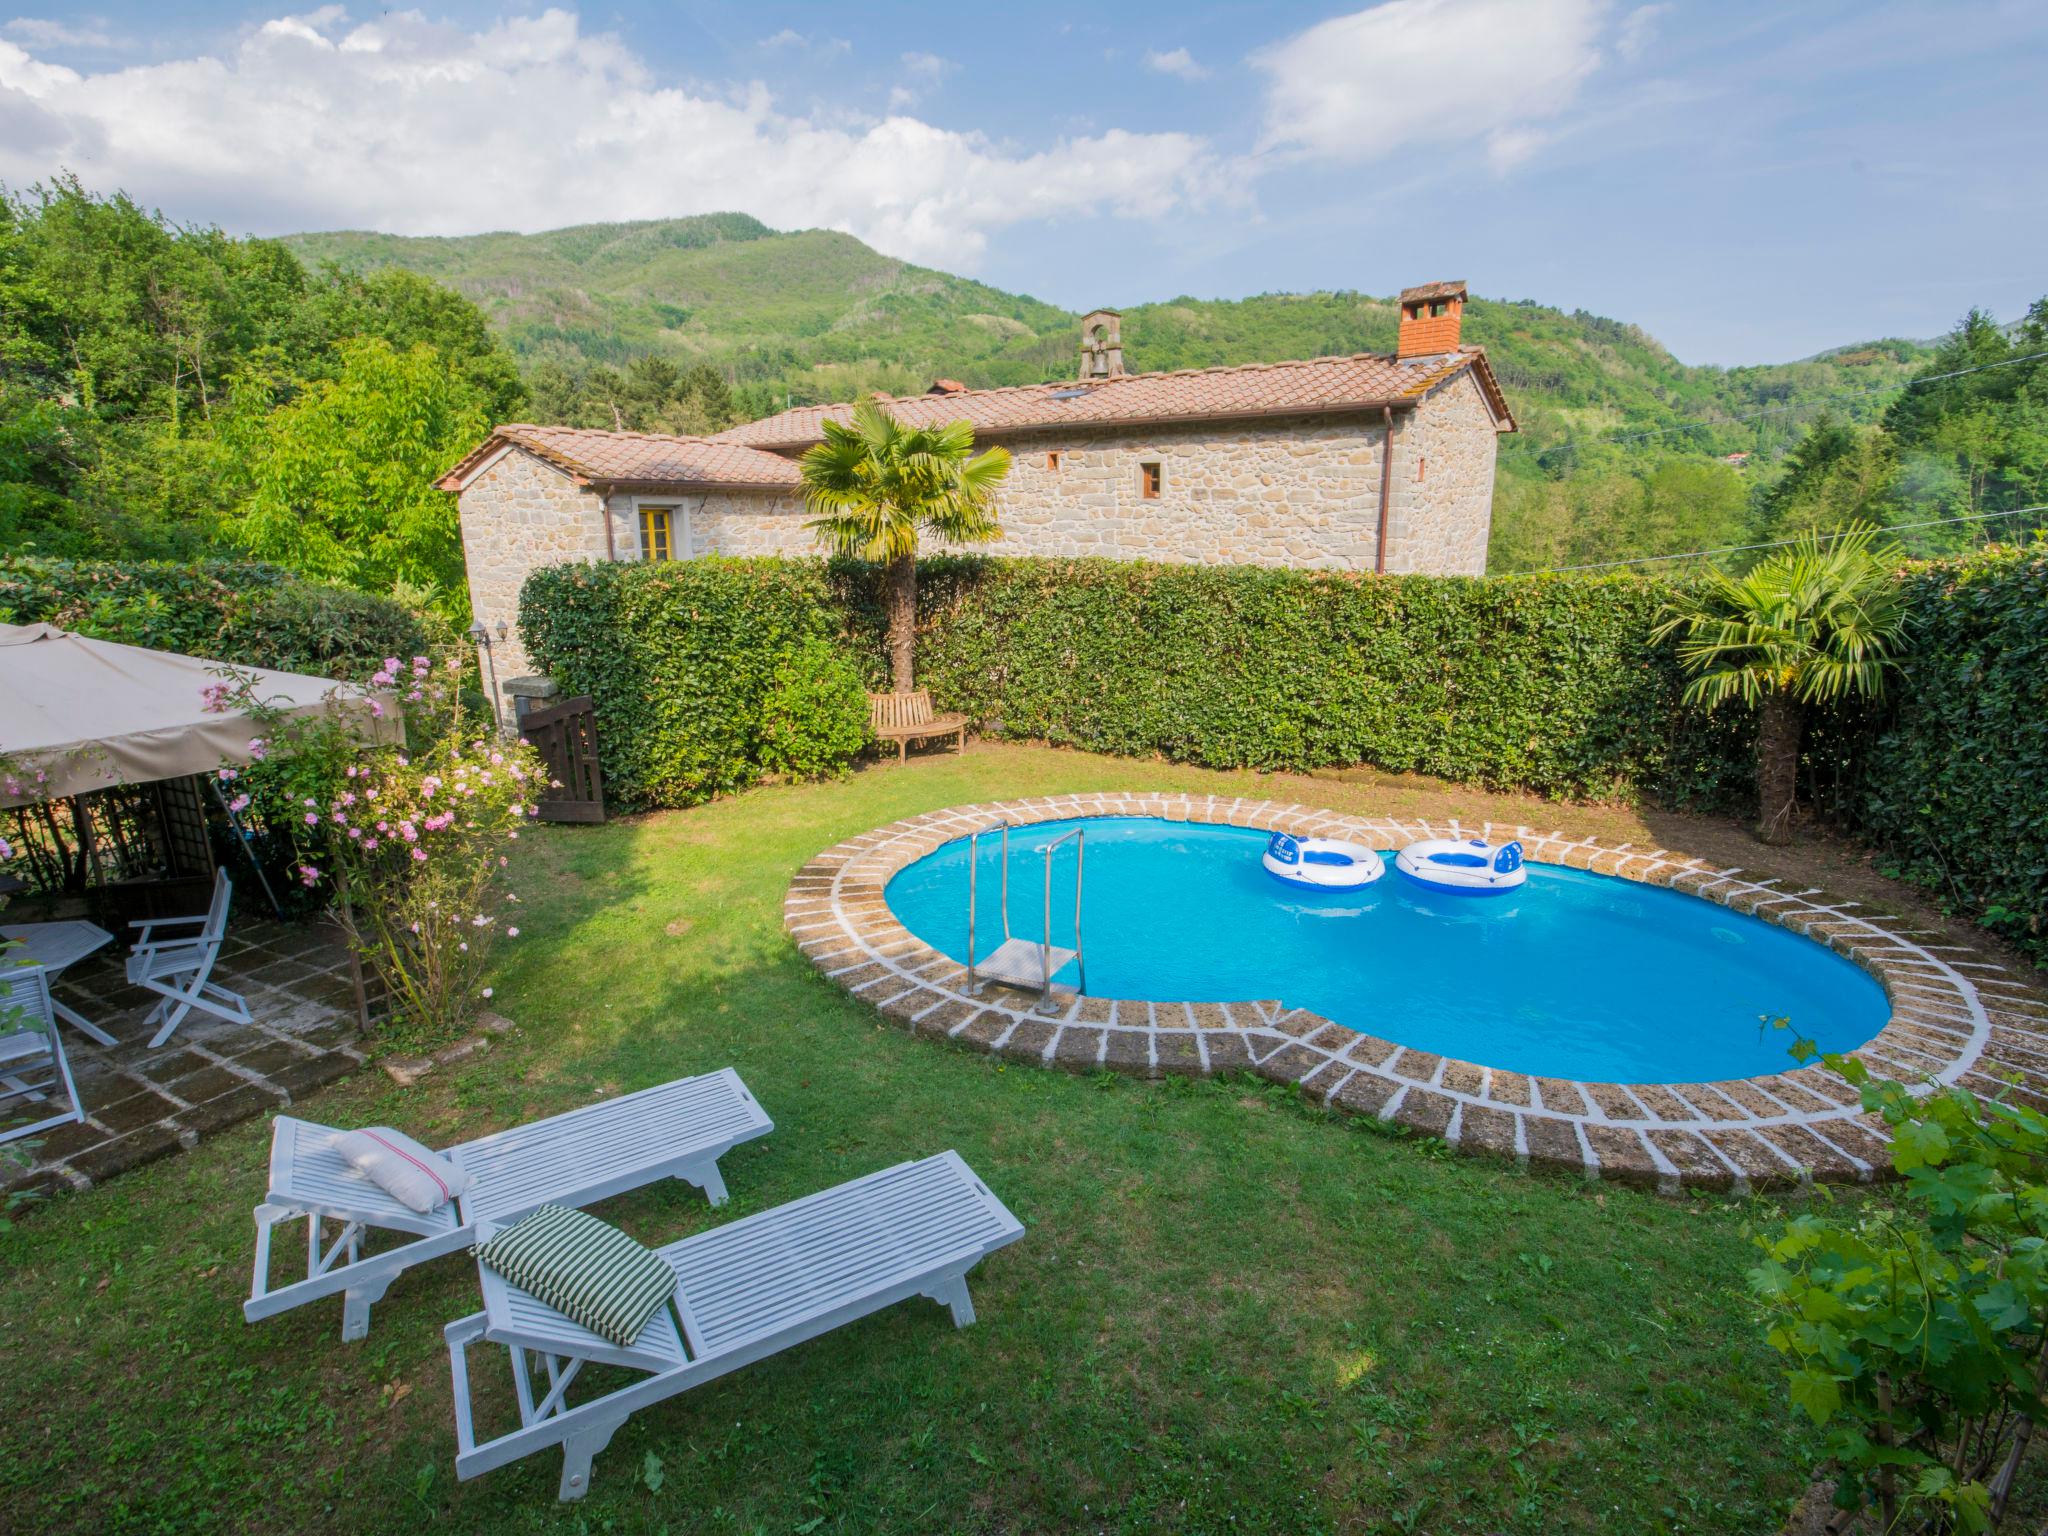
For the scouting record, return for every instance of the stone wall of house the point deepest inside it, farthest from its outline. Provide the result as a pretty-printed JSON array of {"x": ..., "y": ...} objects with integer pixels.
[
  {"x": 1299, "y": 492},
  {"x": 518, "y": 515},
  {"x": 1292, "y": 492},
  {"x": 1441, "y": 511}
]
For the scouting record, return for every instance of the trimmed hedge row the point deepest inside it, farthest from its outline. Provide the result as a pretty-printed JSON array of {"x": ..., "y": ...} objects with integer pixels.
[
  {"x": 680, "y": 657},
  {"x": 236, "y": 611},
  {"x": 1952, "y": 780},
  {"x": 1542, "y": 683}
]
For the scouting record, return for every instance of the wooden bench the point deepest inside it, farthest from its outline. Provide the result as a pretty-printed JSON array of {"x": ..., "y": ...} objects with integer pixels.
[{"x": 907, "y": 717}]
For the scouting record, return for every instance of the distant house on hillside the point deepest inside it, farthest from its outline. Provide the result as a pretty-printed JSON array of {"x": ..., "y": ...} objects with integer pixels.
[{"x": 1361, "y": 463}]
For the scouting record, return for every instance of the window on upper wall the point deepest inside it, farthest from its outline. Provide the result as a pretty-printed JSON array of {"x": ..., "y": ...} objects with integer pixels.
[
  {"x": 1052, "y": 462},
  {"x": 657, "y": 528},
  {"x": 1148, "y": 481}
]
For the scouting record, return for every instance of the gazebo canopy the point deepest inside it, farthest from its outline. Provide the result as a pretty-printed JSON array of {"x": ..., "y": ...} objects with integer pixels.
[{"x": 91, "y": 713}]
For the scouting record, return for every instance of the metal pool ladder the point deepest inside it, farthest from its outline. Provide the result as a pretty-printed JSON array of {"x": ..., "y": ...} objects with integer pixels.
[{"x": 1020, "y": 962}]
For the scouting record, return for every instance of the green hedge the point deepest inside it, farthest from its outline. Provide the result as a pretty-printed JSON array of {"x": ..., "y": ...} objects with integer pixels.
[
  {"x": 1544, "y": 684},
  {"x": 679, "y": 657},
  {"x": 1952, "y": 780},
  {"x": 1541, "y": 683},
  {"x": 243, "y": 612}
]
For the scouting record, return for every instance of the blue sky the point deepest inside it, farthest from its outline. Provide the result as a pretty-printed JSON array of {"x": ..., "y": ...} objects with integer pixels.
[{"x": 1749, "y": 183}]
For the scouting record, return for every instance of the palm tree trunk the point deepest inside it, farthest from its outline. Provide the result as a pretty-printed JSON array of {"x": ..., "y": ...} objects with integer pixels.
[
  {"x": 900, "y": 598},
  {"x": 1780, "y": 722}
]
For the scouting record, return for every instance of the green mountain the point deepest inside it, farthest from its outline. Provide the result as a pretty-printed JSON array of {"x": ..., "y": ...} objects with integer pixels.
[{"x": 815, "y": 315}]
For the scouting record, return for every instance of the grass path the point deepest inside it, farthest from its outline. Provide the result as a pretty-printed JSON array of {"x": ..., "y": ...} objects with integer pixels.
[{"x": 1229, "y": 1313}]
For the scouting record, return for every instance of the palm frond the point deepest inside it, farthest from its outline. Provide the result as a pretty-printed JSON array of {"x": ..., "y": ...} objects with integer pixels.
[
  {"x": 873, "y": 483},
  {"x": 1820, "y": 620}
]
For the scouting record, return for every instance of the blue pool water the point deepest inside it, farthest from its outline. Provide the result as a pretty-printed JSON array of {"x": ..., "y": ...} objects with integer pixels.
[{"x": 1574, "y": 975}]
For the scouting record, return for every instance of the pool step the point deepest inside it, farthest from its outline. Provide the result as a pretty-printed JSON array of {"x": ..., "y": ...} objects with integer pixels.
[{"x": 1022, "y": 963}]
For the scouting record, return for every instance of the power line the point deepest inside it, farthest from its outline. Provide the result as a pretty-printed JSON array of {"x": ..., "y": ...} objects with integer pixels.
[
  {"x": 1737, "y": 549},
  {"x": 1799, "y": 405}
]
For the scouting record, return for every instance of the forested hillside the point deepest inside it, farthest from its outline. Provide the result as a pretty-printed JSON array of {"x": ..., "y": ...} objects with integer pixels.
[
  {"x": 815, "y": 316},
  {"x": 174, "y": 391},
  {"x": 683, "y": 324}
]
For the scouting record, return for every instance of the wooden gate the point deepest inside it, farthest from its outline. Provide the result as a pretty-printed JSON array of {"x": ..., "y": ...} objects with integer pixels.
[{"x": 566, "y": 735}]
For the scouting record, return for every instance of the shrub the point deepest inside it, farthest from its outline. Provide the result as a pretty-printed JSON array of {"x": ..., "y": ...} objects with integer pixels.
[
  {"x": 678, "y": 657},
  {"x": 1952, "y": 779},
  {"x": 814, "y": 720},
  {"x": 411, "y": 842},
  {"x": 1543, "y": 683},
  {"x": 242, "y": 612},
  {"x": 1912, "y": 1326}
]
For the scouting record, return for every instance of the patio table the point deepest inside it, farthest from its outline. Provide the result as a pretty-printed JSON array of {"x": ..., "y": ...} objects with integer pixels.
[{"x": 54, "y": 946}]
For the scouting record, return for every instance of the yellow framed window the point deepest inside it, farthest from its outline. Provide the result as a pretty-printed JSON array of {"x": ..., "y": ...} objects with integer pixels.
[{"x": 657, "y": 533}]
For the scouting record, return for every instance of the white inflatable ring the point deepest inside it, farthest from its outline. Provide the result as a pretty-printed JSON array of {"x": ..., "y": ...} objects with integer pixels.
[
  {"x": 1474, "y": 867},
  {"x": 1322, "y": 863}
]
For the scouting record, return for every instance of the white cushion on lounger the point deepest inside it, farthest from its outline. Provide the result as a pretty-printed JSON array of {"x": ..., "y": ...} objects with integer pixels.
[{"x": 393, "y": 1161}]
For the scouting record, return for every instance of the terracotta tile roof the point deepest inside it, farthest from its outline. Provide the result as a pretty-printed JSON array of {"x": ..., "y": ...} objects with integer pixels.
[
  {"x": 633, "y": 459},
  {"x": 1365, "y": 381}
]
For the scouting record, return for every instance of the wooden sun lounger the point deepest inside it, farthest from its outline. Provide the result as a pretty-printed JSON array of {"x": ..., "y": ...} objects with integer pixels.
[
  {"x": 907, "y": 717},
  {"x": 676, "y": 1130},
  {"x": 743, "y": 1291}
]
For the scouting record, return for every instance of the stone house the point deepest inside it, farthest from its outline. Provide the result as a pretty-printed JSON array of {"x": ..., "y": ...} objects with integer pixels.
[{"x": 1360, "y": 463}]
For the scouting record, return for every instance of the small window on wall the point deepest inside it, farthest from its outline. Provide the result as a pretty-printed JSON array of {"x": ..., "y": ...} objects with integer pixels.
[
  {"x": 657, "y": 533},
  {"x": 1052, "y": 462},
  {"x": 1148, "y": 481}
]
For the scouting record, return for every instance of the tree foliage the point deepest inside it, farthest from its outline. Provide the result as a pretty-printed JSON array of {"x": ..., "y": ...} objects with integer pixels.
[
  {"x": 343, "y": 475},
  {"x": 1816, "y": 623},
  {"x": 878, "y": 485},
  {"x": 158, "y": 382},
  {"x": 1913, "y": 1328}
]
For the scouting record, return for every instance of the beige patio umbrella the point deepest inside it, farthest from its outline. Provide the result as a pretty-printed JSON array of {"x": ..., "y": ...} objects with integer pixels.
[{"x": 90, "y": 713}]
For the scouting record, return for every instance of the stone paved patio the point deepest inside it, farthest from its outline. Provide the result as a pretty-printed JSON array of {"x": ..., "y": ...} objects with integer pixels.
[
  {"x": 143, "y": 1104},
  {"x": 1956, "y": 1016}
]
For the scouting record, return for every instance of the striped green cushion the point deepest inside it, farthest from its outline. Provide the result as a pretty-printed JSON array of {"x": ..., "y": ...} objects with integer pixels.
[{"x": 586, "y": 1269}]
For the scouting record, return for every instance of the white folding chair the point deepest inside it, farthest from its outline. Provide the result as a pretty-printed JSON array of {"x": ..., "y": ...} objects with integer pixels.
[
  {"x": 32, "y": 1064},
  {"x": 176, "y": 969}
]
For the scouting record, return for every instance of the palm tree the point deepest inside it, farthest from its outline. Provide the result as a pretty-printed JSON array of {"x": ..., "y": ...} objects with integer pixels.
[
  {"x": 876, "y": 484},
  {"x": 1820, "y": 620}
]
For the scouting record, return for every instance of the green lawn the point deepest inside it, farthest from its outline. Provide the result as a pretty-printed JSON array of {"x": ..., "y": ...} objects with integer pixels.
[{"x": 1229, "y": 1312}]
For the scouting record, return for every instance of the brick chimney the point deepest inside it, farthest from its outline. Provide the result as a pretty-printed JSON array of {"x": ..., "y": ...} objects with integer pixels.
[
  {"x": 1102, "y": 345},
  {"x": 947, "y": 387},
  {"x": 1430, "y": 319}
]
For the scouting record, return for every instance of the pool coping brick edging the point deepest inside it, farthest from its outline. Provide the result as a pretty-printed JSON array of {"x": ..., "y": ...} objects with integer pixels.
[{"x": 1783, "y": 1128}]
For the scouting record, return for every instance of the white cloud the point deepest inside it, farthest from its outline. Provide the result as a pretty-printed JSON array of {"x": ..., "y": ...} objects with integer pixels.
[
  {"x": 901, "y": 98},
  {"x": 38, "y": 32},
  {"x": 1430, "y": 71},
  {"x": 1179, "y": 63},
  {"x": 1639, "y": 30},
  {"x": 789, "y": 37},
  {"x": 928, "y": 66},
  {"x": 422, "y": 127}
]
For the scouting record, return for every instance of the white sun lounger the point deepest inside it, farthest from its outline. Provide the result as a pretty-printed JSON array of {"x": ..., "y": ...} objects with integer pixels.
[
  {"x": 743, "y": 1291},
  {"x": 677, "y": 1130}
]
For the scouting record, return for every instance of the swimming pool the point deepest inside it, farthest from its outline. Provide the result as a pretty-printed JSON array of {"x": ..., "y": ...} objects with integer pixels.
[{"x": 1576, "y": 975}]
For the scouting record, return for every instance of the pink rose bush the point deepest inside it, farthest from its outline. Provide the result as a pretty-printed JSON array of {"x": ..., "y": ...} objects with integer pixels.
[
  {"x": 408, "y": 844},
  {"x": 422, "y": 899}
]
